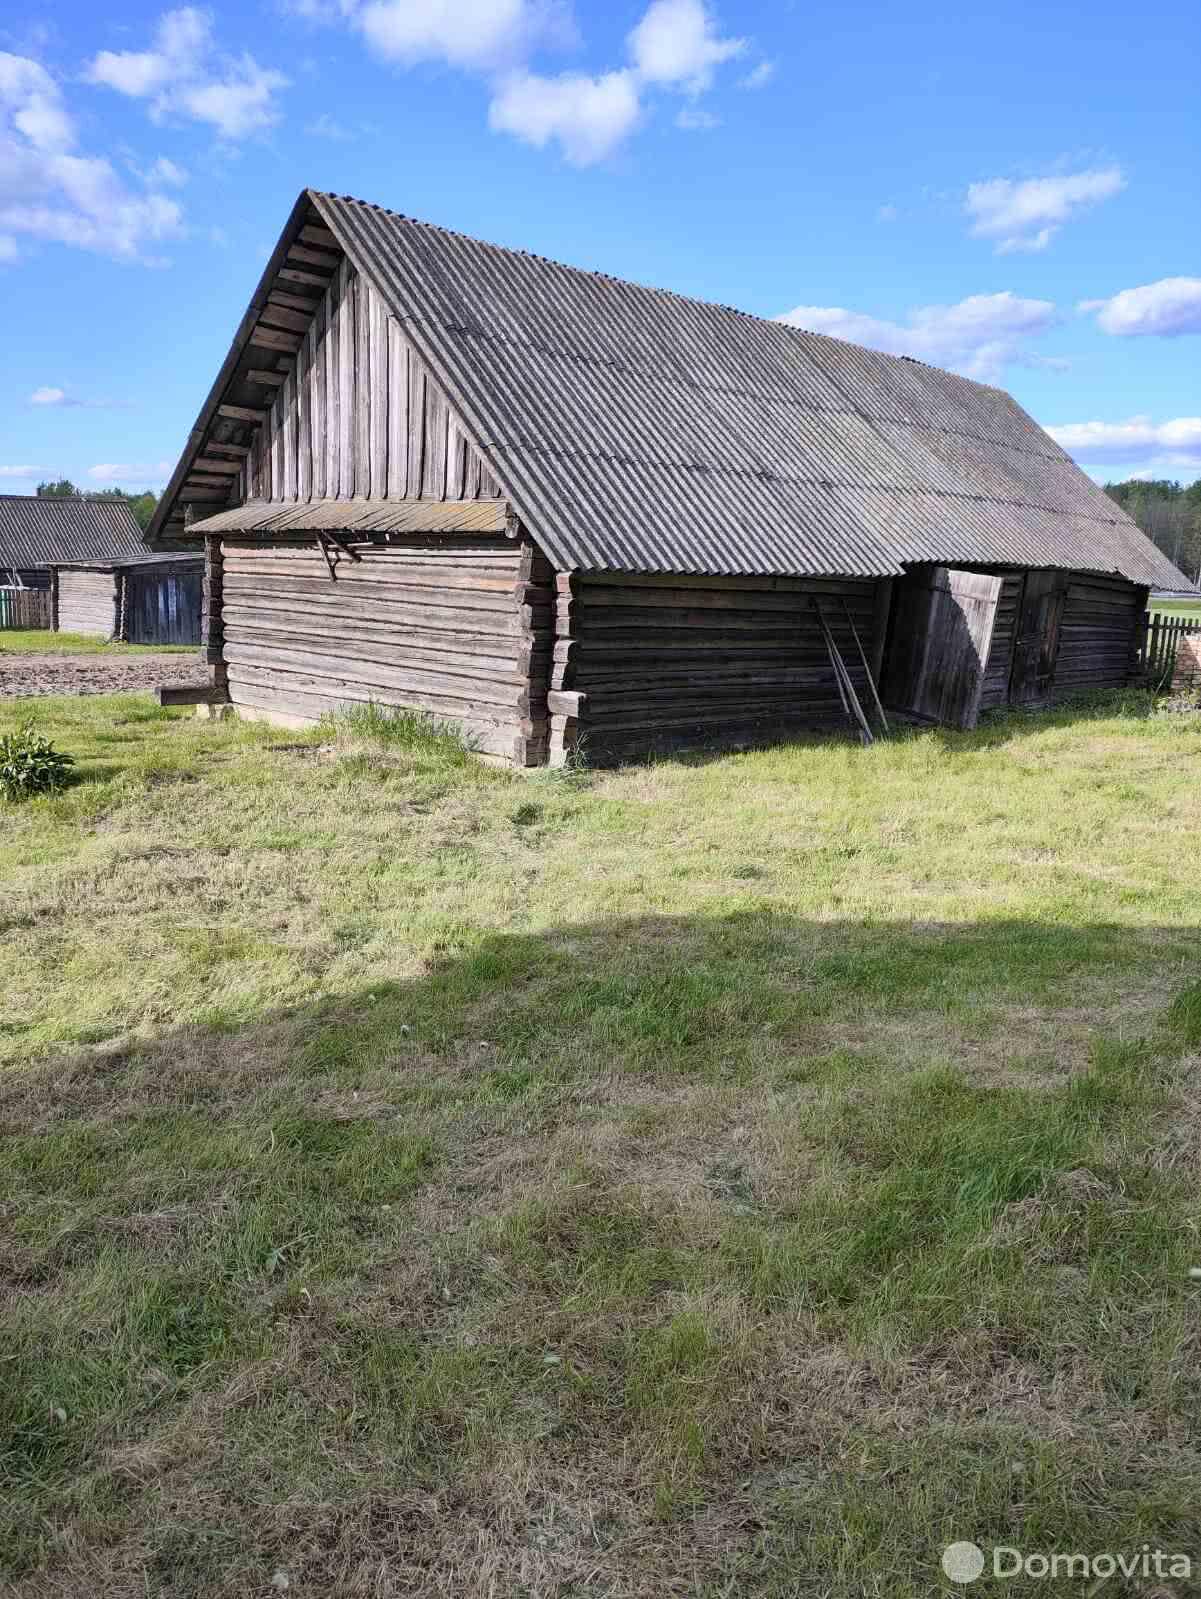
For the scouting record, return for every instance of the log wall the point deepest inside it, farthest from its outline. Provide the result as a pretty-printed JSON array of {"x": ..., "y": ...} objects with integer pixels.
[
  {"x": 1098, "y": 633},
  {"x": 358, "y": 413},
  {"x": 88, "y": 602},
  {"x": 458, "y": 628},
  {"x": 650, "y": 663}
]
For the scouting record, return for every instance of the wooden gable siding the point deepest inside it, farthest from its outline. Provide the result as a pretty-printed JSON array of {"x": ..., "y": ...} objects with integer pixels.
[
  {"x": 360, "y": 414},
  {"x": 458, "y": 628},
  {"x": 88, "y": 602},
  {"x": 666, "y": 663}
]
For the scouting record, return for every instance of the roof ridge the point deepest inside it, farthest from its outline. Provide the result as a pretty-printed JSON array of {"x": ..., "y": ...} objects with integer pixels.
[{"x": 788, "y": 328}]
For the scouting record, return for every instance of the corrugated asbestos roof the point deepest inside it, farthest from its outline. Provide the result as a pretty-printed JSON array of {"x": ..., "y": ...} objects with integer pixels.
[
  {"x": 146, "y": 558},
  {"x": 42, "y": 532},
  {"x": 360, "y": 516},
  {"x": 632, "y": 429}
]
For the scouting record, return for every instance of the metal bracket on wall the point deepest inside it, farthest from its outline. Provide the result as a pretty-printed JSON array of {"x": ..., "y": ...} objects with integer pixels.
[{"x": 324, "y": 540}]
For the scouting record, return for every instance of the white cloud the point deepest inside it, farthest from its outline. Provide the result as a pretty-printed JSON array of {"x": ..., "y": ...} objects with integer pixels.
[
  {"x": 477, "y": 34},
  {"x": 164, "y": 172},
  {"x": 1176, "y": 443},
  {"x": 589, "y": 117},
  {"x": 695, "y": 120},
  {"x": 978, "y": 337},
  {"x": 887, "y": 213},
  {"x": 182, "y": 76},
  {"x": 1026, "y": 214},
  {"x": 758, "y": 77},
  {"x": 138, "y": 472},
  {"x": 677, "y": 44},
  {"x": 30, "y": 472},
  {"x": 327, "y": 127},
  {"x": 1169, "y": 306},
  {"x": 50, "y": 191},
  {"x": 50, "y": 396}
]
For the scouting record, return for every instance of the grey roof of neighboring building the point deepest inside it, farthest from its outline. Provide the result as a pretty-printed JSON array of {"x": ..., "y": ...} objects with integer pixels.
[
  {"x": 636, "y": 430},
  {"x": 48, "y": 531},
  {"x": 146, "y": 558}
]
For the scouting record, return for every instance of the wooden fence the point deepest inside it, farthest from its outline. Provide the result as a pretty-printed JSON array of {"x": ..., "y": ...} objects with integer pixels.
[
  {"x": 1158, "y": 640},
  {"x": 24, "y": 608}
]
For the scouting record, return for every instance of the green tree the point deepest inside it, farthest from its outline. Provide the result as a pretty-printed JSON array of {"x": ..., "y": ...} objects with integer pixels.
[
  {"x": 64, "y": 489},
  {"x": 1169, "y": 514}
]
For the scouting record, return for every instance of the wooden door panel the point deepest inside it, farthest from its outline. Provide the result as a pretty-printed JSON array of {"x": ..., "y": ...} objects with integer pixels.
[
  {"x": 1037, "y": 645},
  {"x": 942, "y": 634}
]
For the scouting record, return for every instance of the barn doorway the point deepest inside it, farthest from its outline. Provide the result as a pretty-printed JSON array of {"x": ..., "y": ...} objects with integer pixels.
[
  {"x": 942, "y": 628},
  {"x": 1036, "y": 641}
]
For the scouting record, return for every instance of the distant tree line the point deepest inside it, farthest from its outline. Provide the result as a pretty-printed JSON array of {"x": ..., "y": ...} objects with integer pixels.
[
  {"x": 1169, "y": 514},
  {"x": 142, "y": 505}
]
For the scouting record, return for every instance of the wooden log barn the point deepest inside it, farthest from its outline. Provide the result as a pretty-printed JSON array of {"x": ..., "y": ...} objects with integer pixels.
[
  {"x": 565, "y": 511},
  {"x": 151, "y": 598}
]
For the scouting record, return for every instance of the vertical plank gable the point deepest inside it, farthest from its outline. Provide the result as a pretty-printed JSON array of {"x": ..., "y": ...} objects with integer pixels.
[{"x": 360, "y": 414}]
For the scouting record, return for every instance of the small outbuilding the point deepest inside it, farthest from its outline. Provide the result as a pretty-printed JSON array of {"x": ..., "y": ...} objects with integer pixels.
[
  {"x": 37, "y": 532},
  {"x": 561, "y": 510},
  {"x": 151, "y": 598}
]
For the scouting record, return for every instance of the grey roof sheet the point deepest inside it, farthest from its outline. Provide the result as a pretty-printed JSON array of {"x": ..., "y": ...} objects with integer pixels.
[
  {"x": 43, "y": 532},
  {"x": 635, "y": 429},
  {"x": 145, "y": 558}
]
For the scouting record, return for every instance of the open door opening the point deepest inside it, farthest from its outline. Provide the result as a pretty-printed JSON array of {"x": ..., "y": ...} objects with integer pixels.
[{"x": 942, "y": 628}]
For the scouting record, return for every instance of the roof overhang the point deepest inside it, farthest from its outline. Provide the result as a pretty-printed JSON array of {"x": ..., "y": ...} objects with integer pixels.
[{"x": 362, "y": 516}]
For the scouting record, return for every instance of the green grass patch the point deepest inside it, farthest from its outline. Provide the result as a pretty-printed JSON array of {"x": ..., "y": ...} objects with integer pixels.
[{"x": 733, "y": 1176}]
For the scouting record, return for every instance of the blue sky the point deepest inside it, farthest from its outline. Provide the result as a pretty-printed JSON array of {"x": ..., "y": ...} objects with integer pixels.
[{"x": 1013, "y": 191}]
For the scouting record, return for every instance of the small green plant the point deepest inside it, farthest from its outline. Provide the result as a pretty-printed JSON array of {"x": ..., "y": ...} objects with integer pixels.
[{"x": 30, "y": 764}]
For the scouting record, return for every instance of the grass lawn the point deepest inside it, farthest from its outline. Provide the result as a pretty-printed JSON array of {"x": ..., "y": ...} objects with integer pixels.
[
  {"x": 41, "y": 641},
  {"x": 1190, "y": 610},
  {"x": 728, "y": 1177}
]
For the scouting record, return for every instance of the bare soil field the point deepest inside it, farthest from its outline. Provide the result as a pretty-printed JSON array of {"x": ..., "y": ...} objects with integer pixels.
[{"x": 38, "y": 674}]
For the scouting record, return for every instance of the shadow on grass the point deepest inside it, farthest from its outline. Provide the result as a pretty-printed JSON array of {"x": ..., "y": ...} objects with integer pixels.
[{"x": 666, "y": 1159}]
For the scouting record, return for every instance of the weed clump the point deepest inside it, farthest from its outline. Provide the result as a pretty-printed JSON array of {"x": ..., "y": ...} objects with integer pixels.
[{"x": 30, "y": 764}]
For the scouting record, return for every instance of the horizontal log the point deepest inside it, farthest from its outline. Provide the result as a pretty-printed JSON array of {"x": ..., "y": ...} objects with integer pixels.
[
  {"x": 192, "y": 694},
  {"x": 211, "y": 465},
  {"x": 459, "y": 598},
  {"x": 317, "y": 234},
  {"x": 484, "y": 669},
  {"x": 301, "y": 682},
  {"x": 382, "y": 575},
  {"x": 242, "y": 413},
  {"x": 495, "y": 625},
  {"x": 487, "y": 738},
  {"x": 226, "y": 449},
  {"x": 562, "y": 703},
  {"x": 459, "y": 692},
  {"x": 269, "y": 380}
]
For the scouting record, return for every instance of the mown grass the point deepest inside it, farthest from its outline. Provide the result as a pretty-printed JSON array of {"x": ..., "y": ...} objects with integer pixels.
[
  {"x": 41, "y": 641},
  {"x": 725, "y": 1176},
  {"x": 1190, "y": 610}
]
